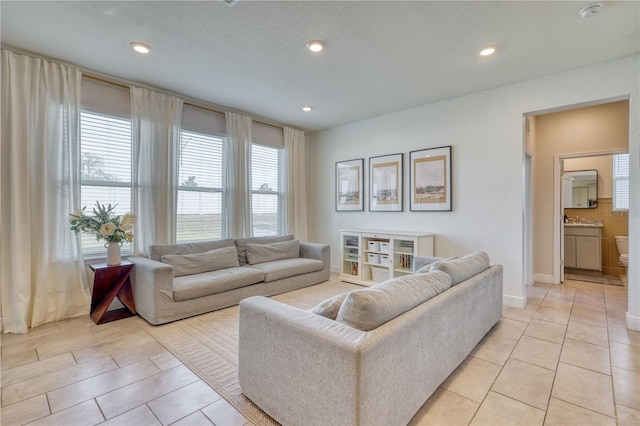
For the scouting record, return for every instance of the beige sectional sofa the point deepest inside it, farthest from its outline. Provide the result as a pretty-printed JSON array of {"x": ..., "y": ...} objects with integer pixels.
[
  {"x": 388, "y": 349},
  {"x": 183, "y": 280}
]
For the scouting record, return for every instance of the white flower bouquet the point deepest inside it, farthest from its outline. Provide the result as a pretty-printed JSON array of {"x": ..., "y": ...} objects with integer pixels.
[{"x": 104, "y": 224}]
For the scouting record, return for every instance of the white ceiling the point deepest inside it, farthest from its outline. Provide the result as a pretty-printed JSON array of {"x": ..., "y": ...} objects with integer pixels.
[{"x": 381, "y": 56}]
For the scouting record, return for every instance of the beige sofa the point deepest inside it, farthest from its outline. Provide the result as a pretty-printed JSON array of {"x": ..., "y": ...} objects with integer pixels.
[
  {"x": 183, "y": 280},
  {"x": 387, "y": 351}
]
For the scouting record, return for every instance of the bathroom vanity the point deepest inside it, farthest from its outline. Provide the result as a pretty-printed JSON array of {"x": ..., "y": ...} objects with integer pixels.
[{"x": 582, "y": 246}]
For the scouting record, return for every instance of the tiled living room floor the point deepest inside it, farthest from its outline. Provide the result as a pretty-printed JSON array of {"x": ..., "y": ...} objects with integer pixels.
[{"x": 566, "y": 358}]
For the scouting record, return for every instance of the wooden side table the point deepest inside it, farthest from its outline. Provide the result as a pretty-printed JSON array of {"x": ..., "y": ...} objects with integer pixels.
[{"x": 109, "y": 282}]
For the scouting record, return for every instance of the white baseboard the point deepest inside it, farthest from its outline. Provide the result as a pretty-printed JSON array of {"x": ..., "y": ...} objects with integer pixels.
[
  {"x": 514, "y": 302},
  {"x": 633, "y": 323},
  {"x": 335, "y": 268},
  {"x": 543, "y": 278}
]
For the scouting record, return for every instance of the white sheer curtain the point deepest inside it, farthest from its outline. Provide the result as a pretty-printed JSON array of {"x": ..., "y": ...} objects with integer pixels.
[
  {"x": 155, "y": 133},
  {"x": 296, "y": 215},
  {"x": 42, "y": 276},
  {"x": 239, "y": 176}
]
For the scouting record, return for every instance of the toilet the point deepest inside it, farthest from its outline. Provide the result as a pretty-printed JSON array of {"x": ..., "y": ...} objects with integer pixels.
[{"x": 622, "y": 242}]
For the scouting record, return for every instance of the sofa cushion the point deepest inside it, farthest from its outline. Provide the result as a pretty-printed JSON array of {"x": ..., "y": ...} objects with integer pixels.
[
  {"x": 286, "y": 268},
  {"x": 464, "y": 268},
  {"x": 427, "y": 265},
  {"x": 241, "y": 244},
  {"x": 329, "y": 308},
  {"x": 371, "y": 307},
  {"x": 196, "y": 263},
  {"x": 261, "y": 253},
  {"x": 193, "y": 286},
  {"x": 157, "y": 251}
]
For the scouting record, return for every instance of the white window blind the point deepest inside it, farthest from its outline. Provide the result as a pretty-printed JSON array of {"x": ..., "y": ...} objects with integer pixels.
[
  {"x": 621, "y": 182},
  {"x": 200, "y": 213},
  {"x": 105, "y": 168},
  {"x": 268, "y": 172}
]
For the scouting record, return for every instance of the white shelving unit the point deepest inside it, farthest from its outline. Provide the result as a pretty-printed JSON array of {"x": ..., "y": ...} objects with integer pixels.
[{"x": 369, "y": 257}]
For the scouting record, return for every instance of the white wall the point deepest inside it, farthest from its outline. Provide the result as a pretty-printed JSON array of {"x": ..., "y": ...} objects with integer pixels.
[{"x": 485, "y": 130}]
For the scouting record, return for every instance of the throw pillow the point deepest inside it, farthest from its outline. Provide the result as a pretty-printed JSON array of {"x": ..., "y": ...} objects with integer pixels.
[
  {"x": 371, "y": 307},
  {"x": 197, "y": 263},
  {"x": 427, "y": 266},
  {"x": 329, "y": 308},
  {"x": 261, "y": 253},
  {"x": 463, "y": 268},
  {"x": 241, "y": 244}
]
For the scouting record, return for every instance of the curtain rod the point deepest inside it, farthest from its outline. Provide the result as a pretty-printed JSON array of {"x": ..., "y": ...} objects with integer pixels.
[{"x": 191, "y": 104}]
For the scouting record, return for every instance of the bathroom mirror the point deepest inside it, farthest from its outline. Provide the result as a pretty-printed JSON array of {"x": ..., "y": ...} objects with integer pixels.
[{"x": 581, "y": 189}]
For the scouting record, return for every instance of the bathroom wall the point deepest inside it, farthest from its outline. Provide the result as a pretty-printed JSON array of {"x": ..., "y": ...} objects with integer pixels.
[{"x": 614, "y": 222}]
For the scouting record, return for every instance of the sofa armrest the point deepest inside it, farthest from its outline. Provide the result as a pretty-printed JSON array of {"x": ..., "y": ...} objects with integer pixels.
[
  {"x": 152, "y": 281},
  {"x": 285, "y": 352},
  {"x": 315, "y": 251},
  {"x": 420, "y": 261}
]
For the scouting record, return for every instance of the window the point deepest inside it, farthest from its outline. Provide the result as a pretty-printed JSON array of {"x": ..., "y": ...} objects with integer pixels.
[
  {"x": 267, "y": 190},
  {"x": 621, "y": 182},
  {"x": 105, "y": 153},
  {"x": 200, "y": 212}
]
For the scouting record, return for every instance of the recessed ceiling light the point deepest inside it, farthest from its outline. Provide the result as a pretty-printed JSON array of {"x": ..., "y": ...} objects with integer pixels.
[
  {"x": 307, "y": 108},
  {"x": 590, "y": 10},
  {"x": 141, "y": 47},
  {"x": 487, "y": 51},
  {"x": 316, "y": 46}
]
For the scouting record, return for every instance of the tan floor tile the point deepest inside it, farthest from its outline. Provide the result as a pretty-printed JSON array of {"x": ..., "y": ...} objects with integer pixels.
[
  {"x": 586, "y": 355},
  {"x": 500, "y": 410},
  {"x": 616, "y": 315},
  {"x": 588, "y": 333},
  {"x": 584, "y": 388},
  {"x": 621, "y": 334},
  {"x": 472, "y": 379},
  {"x": 518, "y": 314},
  {"x": 165, "y": 361},
  {"x": 589, "y": 317},
  {"x": 552, "y": 302},
  {"x": 562, "y": 292},
  {"x": 195, "y": 419},
  {"x": 114, "y": 346},
  {"x": 86, "y": 413},
  {"x": 182, "y": 402},
  {"x": 101, "y": 384},
  {"x": 525, "y": 382},
  {"x": 538, "y": 352},
  {"x": 140, "y": 416},
  {"x": 627, "y": 416},
  {"x": 25, "y": 411},
  {"x": 223, "y": 413},
  {"x": 18, "y": 359},
  {"x": 135, "y": 394},
  {"x": 508, "y": 329},
  {"x": 494, "y": 349},
  {"x": 77, "y": 339},
  {"x": 590, "y": 304},
  {"x": 138, "y": 353},
  {"x": 32, "y": 334},
  {"x": 627, "y": 387},
  {"x": 546, "y": 330},
  {"x": 38, "y": 368},
  {"x": 625, "y": 356},
  {"x": 535, "y": 290},
  {"x": 559, "y": 316},
  {"x": 54, "y": 380},
  {"x": 534, "y": 301},
  {"x": 561, "y": 413},
  {"x": 445, "y": 408}
]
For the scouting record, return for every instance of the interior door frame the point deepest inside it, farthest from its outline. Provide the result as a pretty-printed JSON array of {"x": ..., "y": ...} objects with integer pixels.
[{"x": 558, "y": 211}]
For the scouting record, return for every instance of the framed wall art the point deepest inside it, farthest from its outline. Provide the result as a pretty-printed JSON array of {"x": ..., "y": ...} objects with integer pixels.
[
  {"x": 385, "y": 183},
  {"x": 349, "y": 185},
  {"x": 430, "y": 179}
]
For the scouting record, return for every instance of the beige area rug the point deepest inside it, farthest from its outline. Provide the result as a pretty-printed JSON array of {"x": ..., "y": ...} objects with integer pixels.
[
  {"x": 208, "y": 345},
  {"x": 603, "y": 279}
]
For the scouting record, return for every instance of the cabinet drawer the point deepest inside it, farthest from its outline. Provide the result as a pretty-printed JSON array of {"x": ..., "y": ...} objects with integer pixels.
[
  {"x": 589, "y": 232},
  {"x": 383, "y": 236}
]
